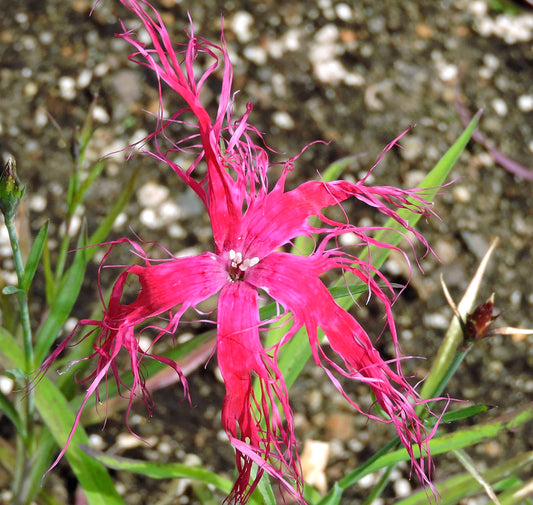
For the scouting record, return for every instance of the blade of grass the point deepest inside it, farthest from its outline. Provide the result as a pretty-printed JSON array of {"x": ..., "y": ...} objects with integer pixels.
[
  {"x": 63, "y": 303},
  {"x": 58, "y": 417},
  {"x": 454, "y": 489},
  {"x": 165, "y": 471},
  {"x": 34, "y": 257},
  {"x": 445, "y": 443},
  {"x": 470, "y": 467},
  {"x": 72, "y": 280}
]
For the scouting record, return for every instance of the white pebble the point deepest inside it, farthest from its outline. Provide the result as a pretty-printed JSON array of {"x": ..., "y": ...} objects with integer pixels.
[
  {"x": 437, "y": 321},
  {"x": 149, "y": 218},
  {"x": 70, "y": 324},
  {"x": 500, "y": 107},
  {"x": 120, "y": 220},
  {"x": 164, "y": 448},
  {"x": 402, "y": 488},
  {"x": 461, "y": 194},
  {"x": 96, "y": 442},
  {"x": 283, "y": 120},
  {"x": 292, "y": 39},
  {"x": 67, "y": 87},
  {"x": 255, "y": 54},
  {"x": 145, "y": 343},
  {"x": 328, "y": 34},
  {"x": 343, "y": 11},
  {"x": 84, "y": 78},
  {"x": 354, "y": 79},
  {"x": 241, "y": 25},
  {"x": 100, "y": 114},
  {"x": 169, "y": 212},
  {"x": 329, "y": 71},
  {"x": 448, "y": 72},
  {"x": 37, "y": 203},
  {"x": 128, "y": 441},
  {"x": 6, "y": 384},
  {"x": 491, "y": 61},
  {"x": 368, "y": 480},
  {"x": 152, "y": 195},
  {"x": 40, "y": 117},
  {"x": 525, "y": 103},
  {"x": 176, "y": 231}
]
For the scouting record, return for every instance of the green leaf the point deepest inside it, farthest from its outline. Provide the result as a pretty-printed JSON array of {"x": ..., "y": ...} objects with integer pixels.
[
  {"x": 64, "y": 302},
  {"x": 105, "y": 226},
  {"x": 334, "y": 496},
  {"x": 464, "y": 413},
  {"x": 265, "y": 490},
  {"x": 10, "y": 290},
  {"x": 40, "y": 464},
  {"x": 58, "y": 417},
  {"x": 157, "y": 470},
  {"x": 79, "y": 194},
  {"x": 517, "y": 494},
  {"x": 453, "y": 490},
  {"x": 7, "y": 407},
  {"x": 457, "y": 440},
  {"x": 34, "y": 257}
]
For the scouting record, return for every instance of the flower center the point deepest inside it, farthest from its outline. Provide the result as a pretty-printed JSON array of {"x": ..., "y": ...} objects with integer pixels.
[{"x": 238, "y": 266}]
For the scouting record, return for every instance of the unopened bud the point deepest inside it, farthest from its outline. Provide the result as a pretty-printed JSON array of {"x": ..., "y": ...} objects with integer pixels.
[{"x": 11, "y": 189}]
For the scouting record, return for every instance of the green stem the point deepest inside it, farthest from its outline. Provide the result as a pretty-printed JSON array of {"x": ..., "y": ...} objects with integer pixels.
[
  {"x": 28, "y": 397},
  {"x": 22, "y": 296}
]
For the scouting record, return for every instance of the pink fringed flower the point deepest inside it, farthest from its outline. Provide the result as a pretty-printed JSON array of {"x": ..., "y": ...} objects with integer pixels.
[{"x": 251, "y": 224}]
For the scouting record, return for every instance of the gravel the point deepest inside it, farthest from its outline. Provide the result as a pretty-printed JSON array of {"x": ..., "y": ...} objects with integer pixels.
[{"x": 354, "y": 73}]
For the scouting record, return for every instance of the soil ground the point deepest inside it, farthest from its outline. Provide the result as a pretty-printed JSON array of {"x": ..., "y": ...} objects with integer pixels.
[{"x": 356, "y": 73}]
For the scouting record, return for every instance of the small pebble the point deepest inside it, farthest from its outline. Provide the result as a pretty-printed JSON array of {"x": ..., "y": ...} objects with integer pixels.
[
  {"x": 525, "y": 103},
  {"x": 67, "y": 87},
  {"x": 499, "y": 106},
  {"x": 152, "y": 195},
  {"x": 6, "y": 384},
  {"x": 241, "y": 24},
  {"x": 402, "y": 488},
  {"x": 283, "y": 120},
  {"x": 96, "y": 442},
  {"x": 343, "y": 11}
]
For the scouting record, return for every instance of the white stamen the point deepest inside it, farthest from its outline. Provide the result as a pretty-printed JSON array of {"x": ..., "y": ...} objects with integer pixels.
[
  {"x": 231, "y": 254},
  {"x": 247, "y": 263}
]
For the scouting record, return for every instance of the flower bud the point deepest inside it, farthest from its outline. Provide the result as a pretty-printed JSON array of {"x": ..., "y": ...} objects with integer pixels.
[{"x": 11, "y": 189}]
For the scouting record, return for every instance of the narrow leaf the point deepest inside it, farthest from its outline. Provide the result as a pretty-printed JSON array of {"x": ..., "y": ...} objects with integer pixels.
[
  {"x": 163, "y": 470},
  {"x": 457, "y": 440},
  {"x": 34, "y": 257},
  {"x": 453, "y": 490},
  {"x": 101, "y": 233},
  {"x": 63, "y": 304},
  {"x": 58, "y": 417},
  {"x": 10, "y": 290}
]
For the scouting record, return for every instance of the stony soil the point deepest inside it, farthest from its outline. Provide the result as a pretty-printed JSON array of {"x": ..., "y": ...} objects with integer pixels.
[{"x": 357, "y": 74}]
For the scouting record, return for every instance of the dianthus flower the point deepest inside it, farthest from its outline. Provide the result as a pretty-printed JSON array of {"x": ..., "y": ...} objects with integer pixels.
[{"x": 252, "y": 222}]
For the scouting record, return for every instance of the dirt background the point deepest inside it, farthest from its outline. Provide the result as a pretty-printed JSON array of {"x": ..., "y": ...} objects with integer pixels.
[{"x": 355, "y": 73}]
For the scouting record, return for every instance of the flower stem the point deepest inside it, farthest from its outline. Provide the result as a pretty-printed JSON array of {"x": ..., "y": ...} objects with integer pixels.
[{"x": 29, "y": 364}]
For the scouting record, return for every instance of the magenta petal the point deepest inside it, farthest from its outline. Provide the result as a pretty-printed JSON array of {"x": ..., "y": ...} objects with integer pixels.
[
  {"x": 288, "y": 212},
  {"x": 182, "y": 281},
  {"x": 294, "y": 282},
  {"x": 256, "y": 427}
]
